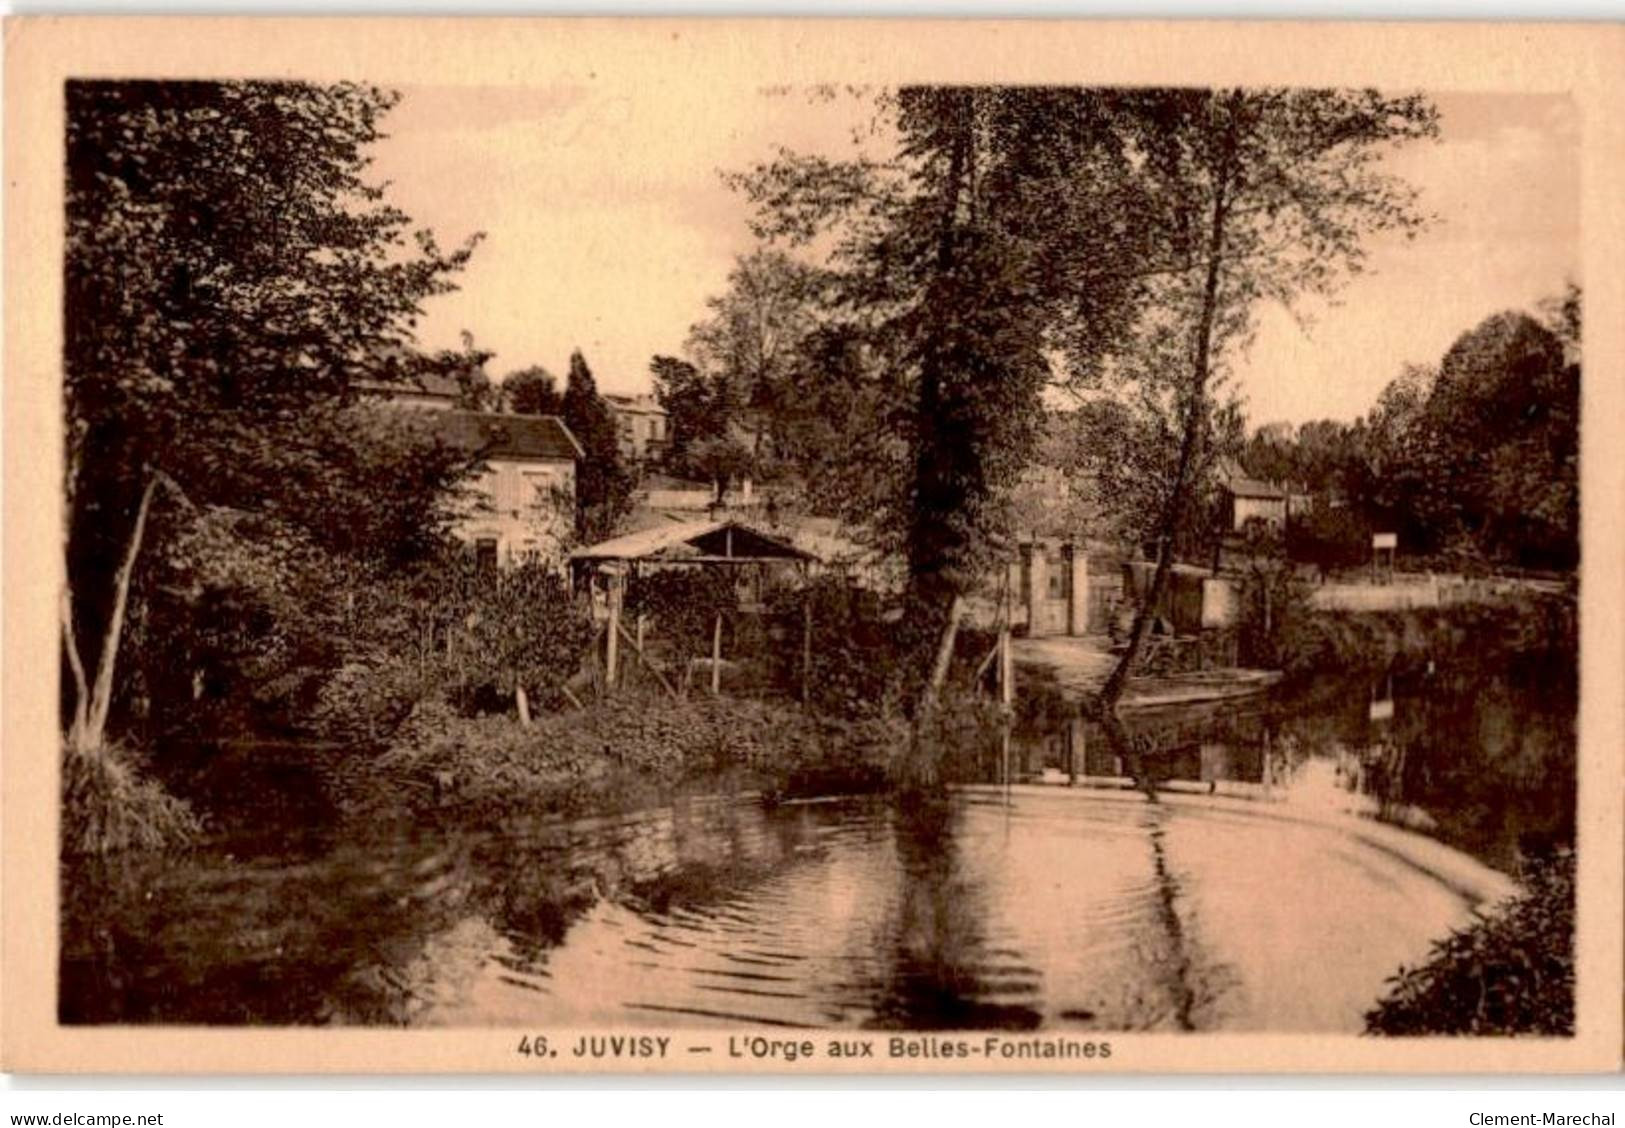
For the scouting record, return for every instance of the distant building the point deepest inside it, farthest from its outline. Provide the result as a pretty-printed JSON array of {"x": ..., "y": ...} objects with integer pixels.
[
  {"x": 1252, "y": 500},
  {"x": 642, "y": 425},
  {"x": 522, "y": 506},
  {"x": 1249, "y": 499}
]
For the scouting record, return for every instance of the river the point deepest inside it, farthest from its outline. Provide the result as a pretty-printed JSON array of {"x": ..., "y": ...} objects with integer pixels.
[{"x": 1238, "y": 902}]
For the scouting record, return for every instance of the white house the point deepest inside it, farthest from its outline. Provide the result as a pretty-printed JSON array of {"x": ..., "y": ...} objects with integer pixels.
[
  {"x": 523, "y": 504},
  {"x": 1252, "y": 500},
  {"x": 523, "y": 507}
]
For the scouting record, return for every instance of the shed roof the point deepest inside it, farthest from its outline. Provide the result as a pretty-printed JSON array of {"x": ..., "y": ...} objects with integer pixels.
[{"x": 697, "y": 541}]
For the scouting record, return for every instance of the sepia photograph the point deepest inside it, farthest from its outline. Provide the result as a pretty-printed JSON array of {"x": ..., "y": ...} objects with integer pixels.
[{"x": 813, "y": 571}]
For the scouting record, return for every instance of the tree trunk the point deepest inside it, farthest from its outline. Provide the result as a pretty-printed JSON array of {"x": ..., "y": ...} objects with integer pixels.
[
  {"x": 521, "y": 701},
  {"x": 81, "y": 688},
  {"x": 716, "y": 656},
  {"x": 1195, "y": 417},
  {"x": 93, "y": 731},
  {"x": 944, "y": 657}
]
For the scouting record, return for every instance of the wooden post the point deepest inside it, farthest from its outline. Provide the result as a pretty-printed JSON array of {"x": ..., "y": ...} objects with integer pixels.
[
  {"x": 716, "y": 656},
  {"x": 637, "y": 649},
  {"x": 612, "y": 650},
  {"x": 1007, "y": 668},
  {"x": 641, "y": 617}
]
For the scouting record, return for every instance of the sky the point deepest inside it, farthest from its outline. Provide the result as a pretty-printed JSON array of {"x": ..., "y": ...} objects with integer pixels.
[{"x": 607, "y": 225}]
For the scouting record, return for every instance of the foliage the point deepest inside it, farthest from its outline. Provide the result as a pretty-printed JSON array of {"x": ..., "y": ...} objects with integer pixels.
[
  {"x": 475, "y": 391},
  {"x": 695, "y": 412},
  {"x": 532, "y": 391},
  {"x": 1499, "y": 444},
  {"x": 1253, "y": 195},
  {"x": 454, "y": 630},
  {"x": 866, "y": 656},
  {"x": 1274, "y": 615},
  {"x": 1473, "y": 463},
  {"x": 960, "y": 259},
  {"x": 1330, "y": 537},
  {"x": 1511, "y": 973},
  {"x": 620, "y": 753},
  {"x": 237, "y": 613},
  {"x": 854, "y": 672},
  {"x": 720, "y": 461},
  {"x": 603, "y": 483},
  {"x": 230, "y": 276},
  {"x": 747, "y": 344}
]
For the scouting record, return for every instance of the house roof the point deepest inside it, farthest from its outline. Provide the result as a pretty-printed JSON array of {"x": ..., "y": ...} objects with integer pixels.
[
  {"x": 1251, "y": 487},
  {"x": 434, "y": 384},
  {"x": 505, "y": 436},
  {"x": 695, "y": 540}
]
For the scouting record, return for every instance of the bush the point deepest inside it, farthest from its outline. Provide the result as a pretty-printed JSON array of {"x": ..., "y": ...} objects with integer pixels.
[
  {"x": 869, "y": 660},
  {"x": 1275, "y": 615},
  {"x": 448, "y": 630},
  {"x": 854, "y": 672},
  {"x": 1329, "y": 537},
  {"x": 1512, "y": 973}
]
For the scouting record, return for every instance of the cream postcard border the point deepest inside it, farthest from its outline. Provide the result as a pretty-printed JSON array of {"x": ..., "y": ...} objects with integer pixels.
[{"x": 1587, "y": 61}]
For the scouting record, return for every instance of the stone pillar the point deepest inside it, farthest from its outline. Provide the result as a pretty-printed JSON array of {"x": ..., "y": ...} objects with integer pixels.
[
  {"x": 1037, "y": 588},
  {"x": 1077, "y": 609}
]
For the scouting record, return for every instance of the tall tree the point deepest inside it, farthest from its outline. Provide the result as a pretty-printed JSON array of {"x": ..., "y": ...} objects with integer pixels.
[
  {"x": 696, "y": 411},
  {"x": 603, "y": 485},
  {"x": 1499, "y": 443},
  {"x": 964, "y": 259},
  {"x": 755, "y": 327},
  {"x": 229, "y": 275},
  {"x": 1253, "y": 195}
]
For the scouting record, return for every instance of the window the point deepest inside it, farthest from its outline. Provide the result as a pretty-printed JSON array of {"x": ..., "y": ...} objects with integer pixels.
[
  {"x": 539, "y": 487},
  {"x": 485, "y": 552}
]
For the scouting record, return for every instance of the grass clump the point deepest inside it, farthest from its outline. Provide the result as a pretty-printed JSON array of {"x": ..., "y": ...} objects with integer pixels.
[{"x": 109, "y": 805}]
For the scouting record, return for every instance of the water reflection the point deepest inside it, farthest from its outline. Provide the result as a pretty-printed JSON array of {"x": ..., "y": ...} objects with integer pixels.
[{"x": 1484, "y": 762}]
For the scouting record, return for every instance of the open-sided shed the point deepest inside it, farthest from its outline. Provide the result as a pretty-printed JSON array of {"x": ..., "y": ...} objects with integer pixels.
[{"x": 720, "y": 543}]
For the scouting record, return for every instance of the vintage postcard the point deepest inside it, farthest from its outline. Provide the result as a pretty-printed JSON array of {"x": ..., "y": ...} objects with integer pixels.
[{"x": 809, "y": 547}]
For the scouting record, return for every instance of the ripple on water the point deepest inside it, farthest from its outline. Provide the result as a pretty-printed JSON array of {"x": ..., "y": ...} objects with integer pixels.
[{"x": 1058, "y": 910}]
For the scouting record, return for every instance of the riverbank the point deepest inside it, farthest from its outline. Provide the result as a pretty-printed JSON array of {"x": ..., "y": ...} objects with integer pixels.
[
  {"x": 1521, "y": 619},
  {"x": 1526, "y": 622}
]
